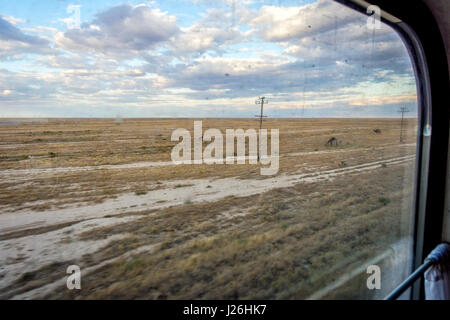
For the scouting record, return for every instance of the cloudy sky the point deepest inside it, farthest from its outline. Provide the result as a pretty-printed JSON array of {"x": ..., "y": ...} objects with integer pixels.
[{"x": 198, "y": 58}]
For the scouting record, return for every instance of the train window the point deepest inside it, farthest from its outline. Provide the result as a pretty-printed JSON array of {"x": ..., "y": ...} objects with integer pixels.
[{"x": 204, "y": 150}]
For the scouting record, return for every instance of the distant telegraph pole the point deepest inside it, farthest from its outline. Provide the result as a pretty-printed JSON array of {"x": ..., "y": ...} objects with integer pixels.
[
  {"x": 261, "y": 101},
  {"x": 403, "y": 110}
]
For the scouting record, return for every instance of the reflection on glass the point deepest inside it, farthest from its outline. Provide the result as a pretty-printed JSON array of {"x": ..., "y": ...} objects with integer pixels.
[{"x": 92, "y": 94}]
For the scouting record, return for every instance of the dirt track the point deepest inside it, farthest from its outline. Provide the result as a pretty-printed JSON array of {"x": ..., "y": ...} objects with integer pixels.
[
  {"x": 40, "y": 227},
  {"x": 35, "y": 250}
]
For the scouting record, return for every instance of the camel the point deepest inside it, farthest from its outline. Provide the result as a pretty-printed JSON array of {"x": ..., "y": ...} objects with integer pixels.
[
  {"x": 377, "y": 131},
  {"x": 332, "y": 141}
]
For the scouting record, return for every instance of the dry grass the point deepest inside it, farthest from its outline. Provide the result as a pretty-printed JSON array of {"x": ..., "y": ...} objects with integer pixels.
[
  {"x": 87, "y": 142},
  {"x": 283, "y": 248},
  {"x": 282, "y": 244},
  {"x": 101, "y": 142}
]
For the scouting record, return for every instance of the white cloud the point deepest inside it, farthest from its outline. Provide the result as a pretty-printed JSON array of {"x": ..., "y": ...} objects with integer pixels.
[
  {"x": 198, "y": 39},
  {"x": 120, "y": 31},
  {"x": 13, "y": 41},
  {"x": 275, "y": 23},
  {"x": 138, "y": 56},
  {"x": 214, "y": 31},
  {"x": 13, "y": 20}
]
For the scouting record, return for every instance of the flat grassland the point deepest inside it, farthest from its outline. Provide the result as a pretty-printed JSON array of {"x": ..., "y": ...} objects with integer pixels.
[{"x": 106, "y": 197}]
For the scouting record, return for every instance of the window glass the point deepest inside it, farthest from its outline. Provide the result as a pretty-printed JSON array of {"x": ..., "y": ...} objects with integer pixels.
[{"x": 203, "y": 150}]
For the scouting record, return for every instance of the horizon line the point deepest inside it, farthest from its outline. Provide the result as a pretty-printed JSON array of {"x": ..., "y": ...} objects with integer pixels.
[{"x": 114, "y": 118}]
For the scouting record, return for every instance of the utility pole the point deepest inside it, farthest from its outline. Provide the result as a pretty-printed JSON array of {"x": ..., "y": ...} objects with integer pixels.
[
  {"x": 403, "y": 110},
  {"x": 261, "y": 101}
]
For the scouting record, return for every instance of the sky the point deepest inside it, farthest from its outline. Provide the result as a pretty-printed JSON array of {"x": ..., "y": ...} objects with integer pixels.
[{"x": 199, "y": 58}]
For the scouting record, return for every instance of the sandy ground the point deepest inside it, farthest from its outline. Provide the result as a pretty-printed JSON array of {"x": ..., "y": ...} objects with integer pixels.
[
  {"x": 19, "y": 255},
  {"x": 196, "y": 190},
  {"x": 35, "y": 247},
  {"x": 25, "y": 174}
]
